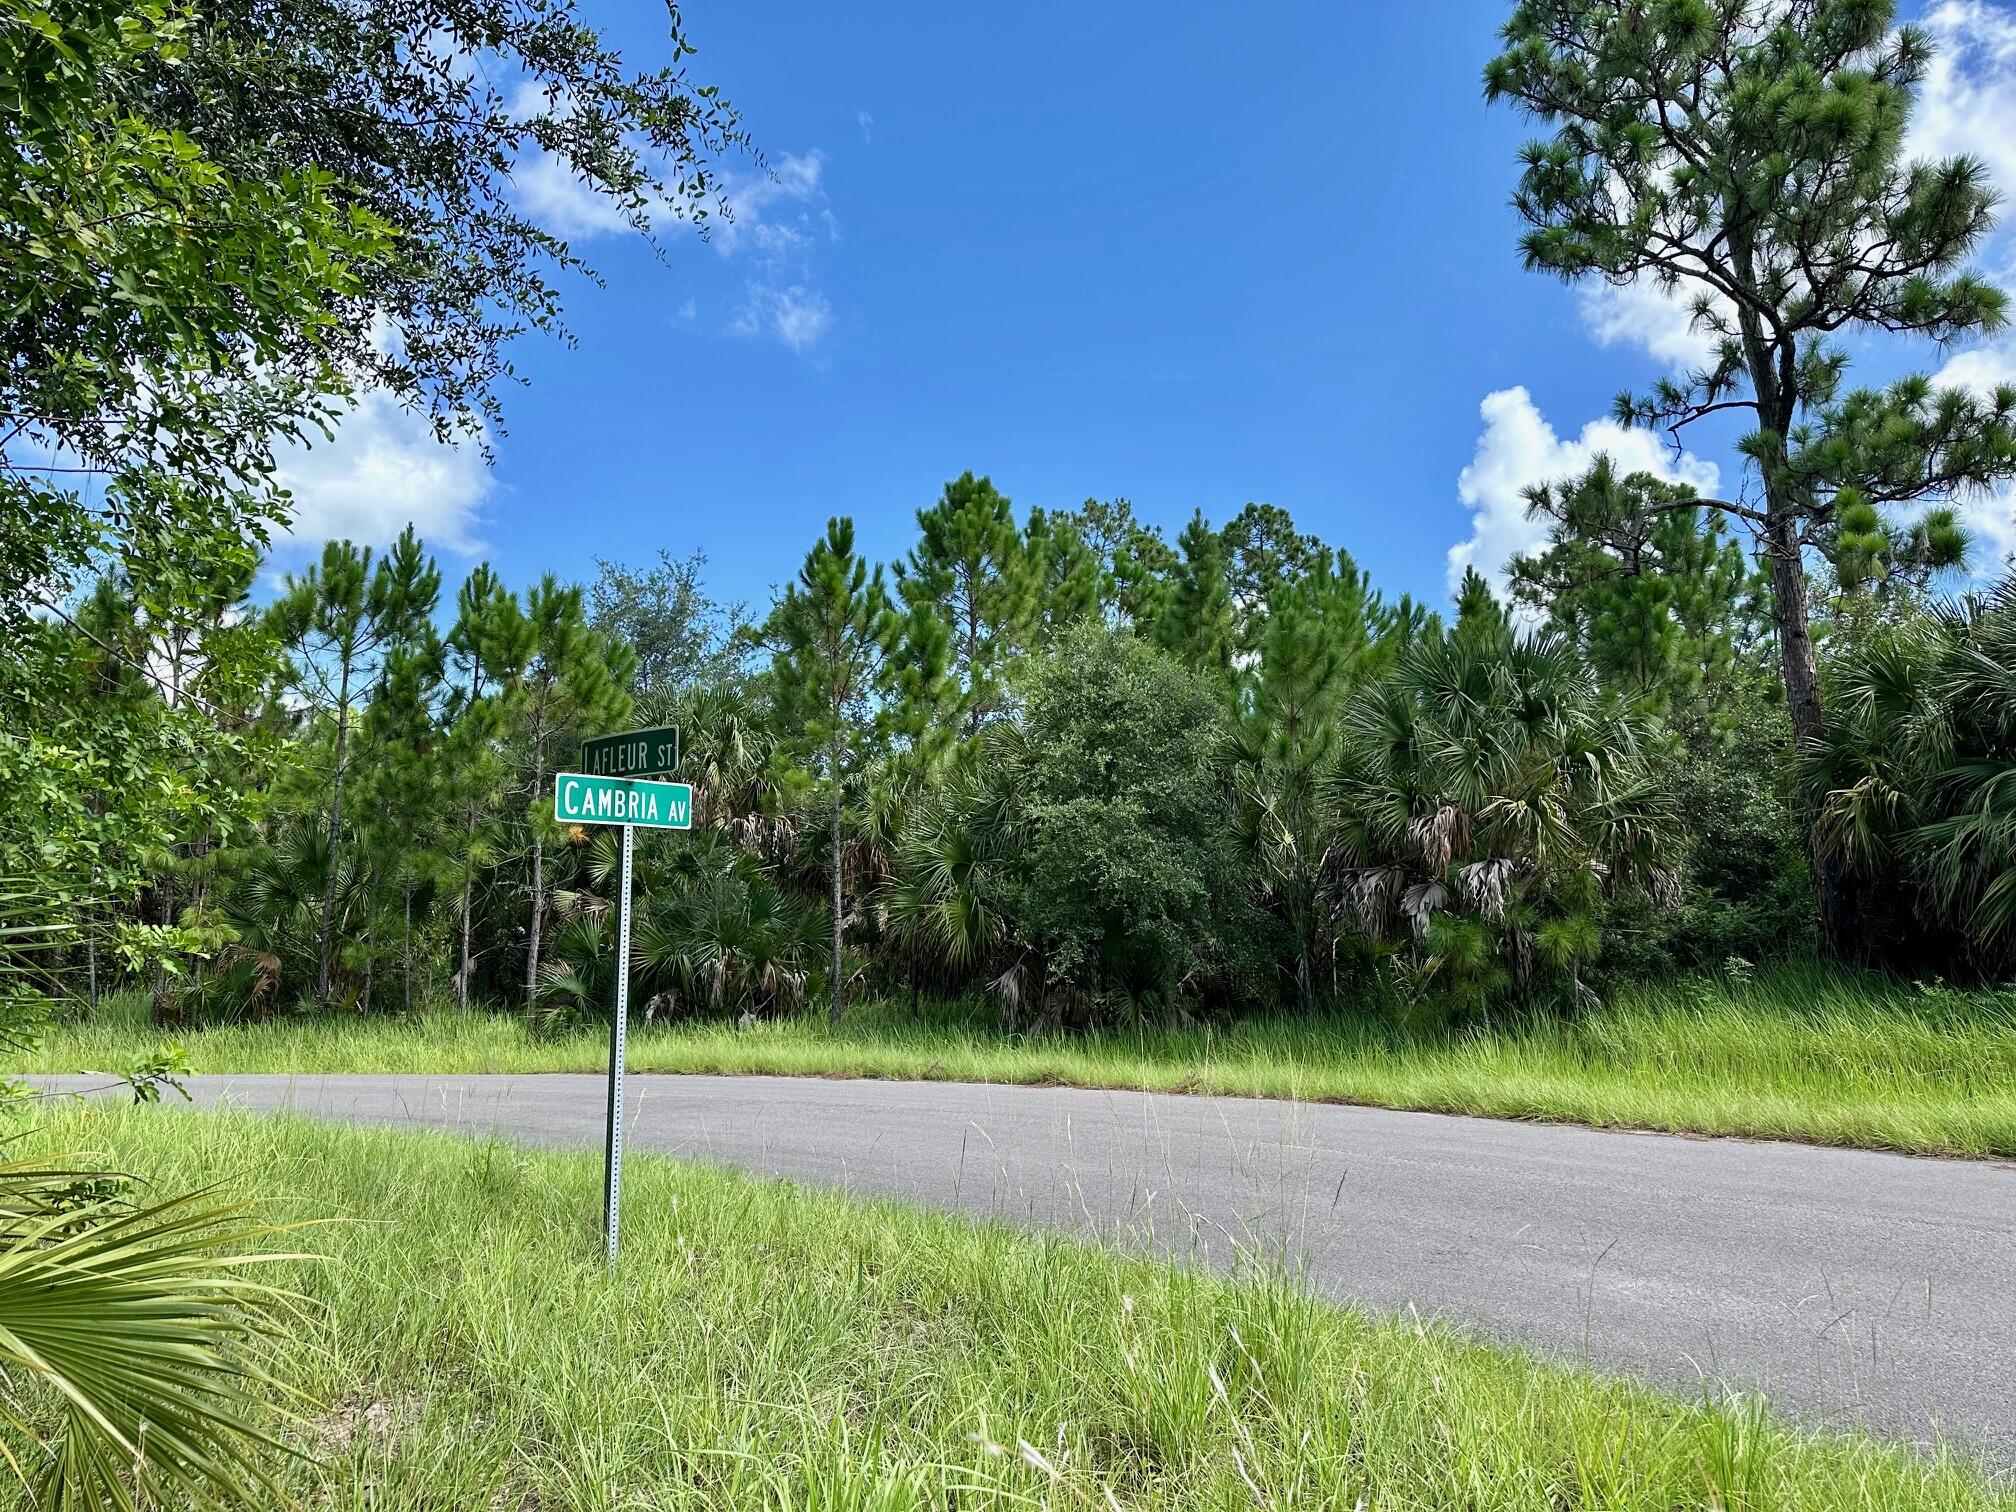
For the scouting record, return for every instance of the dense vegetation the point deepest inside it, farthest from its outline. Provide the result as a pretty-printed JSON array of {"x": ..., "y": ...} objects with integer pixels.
[
  {"x": 221, "y": 227},
  {"x": 1051, "y": 755},
  {"x": 1102, "y": 778}
]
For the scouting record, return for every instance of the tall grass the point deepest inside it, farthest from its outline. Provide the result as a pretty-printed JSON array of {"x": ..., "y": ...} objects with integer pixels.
[
  {"x": 767, "y": 1347},
  {"x": 1800, "y": 1052}
]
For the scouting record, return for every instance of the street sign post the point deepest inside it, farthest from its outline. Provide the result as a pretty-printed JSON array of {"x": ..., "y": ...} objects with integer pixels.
[
  {"x": 634, "y": 753},
  {"x": 581, "y": 799},
  {"x": 595, "y": 796}
]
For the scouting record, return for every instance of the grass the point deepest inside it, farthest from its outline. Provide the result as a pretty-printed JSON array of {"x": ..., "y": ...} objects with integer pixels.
[
  {"x": 1797, "y": 1053},
  {"x": 764, "y": 1346}
]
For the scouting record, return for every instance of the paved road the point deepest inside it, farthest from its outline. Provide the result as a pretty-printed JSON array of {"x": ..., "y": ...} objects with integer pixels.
[{"x": 1853, "y": 1287}]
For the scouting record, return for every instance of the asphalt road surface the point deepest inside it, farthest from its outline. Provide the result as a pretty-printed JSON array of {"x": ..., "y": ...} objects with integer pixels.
[{"x": 1854, "y": 1288}]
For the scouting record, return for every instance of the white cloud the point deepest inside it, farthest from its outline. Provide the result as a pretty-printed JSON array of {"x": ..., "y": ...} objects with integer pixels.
[
  {"x": 795, "y": 315},
  {"x": 1990, "y": 514},
  {"x": 381, "y": 471},
  {"x": 1983, "y": 370},
  {"x": 776, "y": 220},
  {"x": 867, "y": 124},
  {"x": 562, "y": 203},
  {"x": 554, "y": 196},
  {"x": 1517, "y": 449},
  {"x": 1643, "y": 314},
  {"x": 780, "y": 220},
  {"x": 1967, "y": 103},
  {"x": 775, "y": 209}
]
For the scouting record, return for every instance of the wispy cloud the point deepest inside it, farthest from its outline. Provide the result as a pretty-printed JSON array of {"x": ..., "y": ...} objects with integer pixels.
[
  {"x": 553, "y": 197},
  {"x": 794, "y": 314},
  {"x": 781, "y": 221},
  {"x": 777, "y": 220}
]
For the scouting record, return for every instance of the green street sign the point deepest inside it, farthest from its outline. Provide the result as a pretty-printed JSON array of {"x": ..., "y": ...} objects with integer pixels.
[
  {"x": 581, "y": 798},
  {"x": 634, "y": 753}
]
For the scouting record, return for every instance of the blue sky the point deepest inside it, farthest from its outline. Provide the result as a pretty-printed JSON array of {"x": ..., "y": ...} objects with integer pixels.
[{"x": 1191, "y": 256}]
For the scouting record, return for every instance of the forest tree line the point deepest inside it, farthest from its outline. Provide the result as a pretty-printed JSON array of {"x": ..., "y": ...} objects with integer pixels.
[
  {"x": 1061, "y": 760},
  {"x": 1055, "y": 757}
]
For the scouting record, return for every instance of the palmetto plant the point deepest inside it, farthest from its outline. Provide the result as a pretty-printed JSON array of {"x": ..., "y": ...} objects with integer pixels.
[
  {"x": 131, "y": 1333},
  {"x": 733, "y": 941},
  {"x": 1916, "y": 771},
  {"x": 1486, "y": 796},
  {"x": 948, "y": 901},
  {"x": 577, "y": 978},
  {"x": 727, "y": 744},
  {"x": 273, "y": 912},
  {"x": 713, "y": 933},
  {"x": 137, "y": 1328}
]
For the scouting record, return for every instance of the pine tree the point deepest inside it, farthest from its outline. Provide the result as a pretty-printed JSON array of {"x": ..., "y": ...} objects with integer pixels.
[
  {"x": 1480, "y": 619},
  {"x": 1134, "y": 562},
  {"x": 405, "y": 781},
  {"x": 488, "y": 648},
  {"x": 1065, "y": 574},
  {"x": 337, "y": 619},
  {"x": 1263, "y": 551},
  {"x": 575, "y": 681},
  {"x": 1315, "y": 637},
  {"x": 1656, "y": 594},
  {"x": 1749, "y": 154},
  {"x": 832, "y": 629},
  {"x": 1199, "y": 622},
  {"x": 971, "y": 566}
]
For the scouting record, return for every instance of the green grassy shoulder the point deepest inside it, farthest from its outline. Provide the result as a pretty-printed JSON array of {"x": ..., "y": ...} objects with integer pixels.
[
  {"x": 1807, "y": 1054},
  {"x": 769, "y": 1347}
]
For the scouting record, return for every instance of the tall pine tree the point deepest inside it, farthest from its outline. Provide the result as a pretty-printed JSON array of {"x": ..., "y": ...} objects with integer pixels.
[
  {"x": 575, "y": 682},
  {"x": 1748, "y": 155},
  {"x": 1199, "y": 622},
  {"x": 971, "y": 566},
  {"x": 832, "y": 629},
  {"x": 488, "y": 647},
  {"x": 338, "y": 619}
]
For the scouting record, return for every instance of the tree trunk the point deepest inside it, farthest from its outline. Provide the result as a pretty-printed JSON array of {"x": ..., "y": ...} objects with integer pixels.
[
  {"x": 839, "y": 900},
  {"x": 1774, "y": 379},
  {"x": 335, "y": 832},
  {"x": 1840, "y": 913},
  {"x": 168, "y": 918},
  {"x": 406, "y": 945},
  {"x": 538, "y": 880},
  {"x": 468, "y": 881}
]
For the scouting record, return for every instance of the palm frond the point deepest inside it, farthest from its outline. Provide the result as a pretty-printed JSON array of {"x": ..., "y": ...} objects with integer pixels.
[{"x": 142, "y": 1330}]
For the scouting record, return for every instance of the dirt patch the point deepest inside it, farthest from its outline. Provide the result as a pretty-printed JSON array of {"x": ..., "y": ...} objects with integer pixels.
[{"x": 372, "y": 1420}]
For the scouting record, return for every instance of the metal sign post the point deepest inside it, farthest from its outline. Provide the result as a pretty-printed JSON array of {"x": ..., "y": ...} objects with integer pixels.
[
  {"x": 590, "y": 797},
  {"x": 612, "y": 1147}
]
